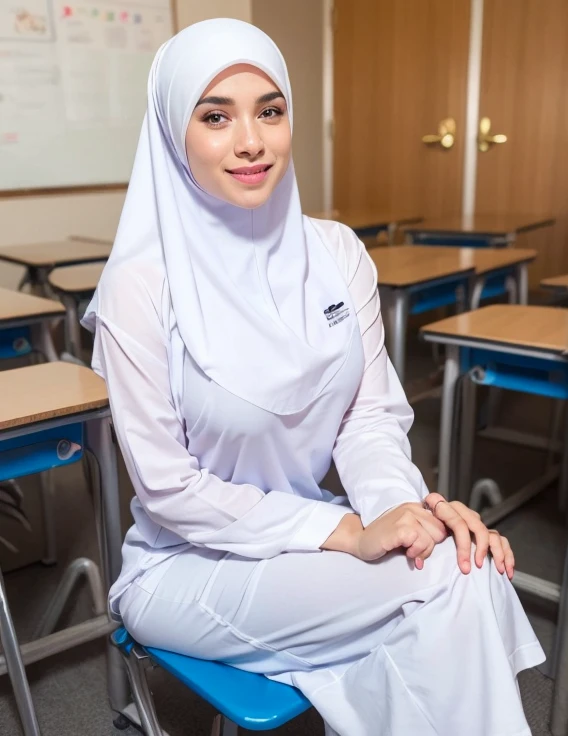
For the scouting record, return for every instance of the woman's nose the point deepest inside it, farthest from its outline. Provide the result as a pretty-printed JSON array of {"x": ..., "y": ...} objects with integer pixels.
[{"x": 248, "y": 141}]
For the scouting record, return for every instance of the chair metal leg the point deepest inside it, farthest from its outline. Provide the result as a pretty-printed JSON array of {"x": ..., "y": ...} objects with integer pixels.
[
  {"x": 80, "y": 567},
  {"x": 559, "y": 718},
  {"x": 228, "y": 728},
  {"x": 15, "y": 667},
  {"x": 136, "y": 663}
]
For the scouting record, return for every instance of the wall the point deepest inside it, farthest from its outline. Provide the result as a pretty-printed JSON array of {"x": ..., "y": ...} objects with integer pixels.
[
  {"x": 51, "y": 217},
  {"x": 297, "y": 27}
]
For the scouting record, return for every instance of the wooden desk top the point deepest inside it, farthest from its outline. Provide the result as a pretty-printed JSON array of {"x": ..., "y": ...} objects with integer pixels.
[
  {"x": 365, "y": 218},
  {"x": 556, "y": 282},
  {"x": 407, "y": 265},
  {"x": 535, "y": 327},
  {"x": 39, "y": 392},
  {"x": 76, "y": 279},
  {"x": 497, "y": 225},
  {"x": 16, "y": 305},
  {"x": 56, "y": 253}
]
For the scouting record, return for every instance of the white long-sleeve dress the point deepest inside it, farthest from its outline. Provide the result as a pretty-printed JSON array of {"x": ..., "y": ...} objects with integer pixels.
[{"x": 224, "y": 562}]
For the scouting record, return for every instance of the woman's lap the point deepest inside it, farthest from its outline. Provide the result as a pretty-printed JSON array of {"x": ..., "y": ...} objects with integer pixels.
[
  {"x": 316, "y": 609},
  {"x": 377, "y": 648}
]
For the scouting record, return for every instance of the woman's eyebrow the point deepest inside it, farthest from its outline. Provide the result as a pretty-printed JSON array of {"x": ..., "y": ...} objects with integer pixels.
[
  {"x": 262, "y": 100},
  {"x": 216, "y": 101}
]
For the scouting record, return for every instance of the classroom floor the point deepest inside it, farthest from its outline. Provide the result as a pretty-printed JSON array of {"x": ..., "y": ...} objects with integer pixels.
[{"x": 69, "y": 689}]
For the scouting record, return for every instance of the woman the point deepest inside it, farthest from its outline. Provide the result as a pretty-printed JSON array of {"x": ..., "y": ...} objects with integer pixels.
[{"x": 243, "y": 349}]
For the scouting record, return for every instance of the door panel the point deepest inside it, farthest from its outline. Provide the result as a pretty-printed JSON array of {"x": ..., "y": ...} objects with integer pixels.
[
  {"x": 400, "y": 67},
  {"x": 524, "y": 91}
]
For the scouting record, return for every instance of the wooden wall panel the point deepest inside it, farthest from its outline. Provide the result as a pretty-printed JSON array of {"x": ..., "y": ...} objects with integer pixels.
[
  {"x": 525, "y": 93},
  {"x": 400, "y": 66}
]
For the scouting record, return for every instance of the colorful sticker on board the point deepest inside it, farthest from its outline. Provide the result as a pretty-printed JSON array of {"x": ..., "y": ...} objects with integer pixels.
[
  {"x": 67, "y": 11},
  {"x": 124, "y": 16}
]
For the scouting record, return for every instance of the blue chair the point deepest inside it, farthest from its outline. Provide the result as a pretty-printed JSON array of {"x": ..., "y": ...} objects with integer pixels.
[{"x": 243, "y": 699}]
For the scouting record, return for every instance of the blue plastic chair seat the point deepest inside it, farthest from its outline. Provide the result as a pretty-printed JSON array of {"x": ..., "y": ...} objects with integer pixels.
[{"x": 250, "y": 700}]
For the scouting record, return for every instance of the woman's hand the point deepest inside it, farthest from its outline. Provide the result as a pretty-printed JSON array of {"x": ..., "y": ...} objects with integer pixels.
[
  {"x": 409, "y": 526},
  {"x": 463, "y": 522}
]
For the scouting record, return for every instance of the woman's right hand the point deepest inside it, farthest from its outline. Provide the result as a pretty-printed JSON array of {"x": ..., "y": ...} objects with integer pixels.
[{"x": 409, "y": 526}]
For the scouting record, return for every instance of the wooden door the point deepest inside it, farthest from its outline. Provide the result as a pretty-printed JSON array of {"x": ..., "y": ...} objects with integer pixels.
[
  {"x": 524, "y": 91},
  {"x": 400, "y": 67}
]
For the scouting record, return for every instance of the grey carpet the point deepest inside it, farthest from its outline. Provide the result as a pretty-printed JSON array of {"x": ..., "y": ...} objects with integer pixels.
[{"x": 69, "y": 689}]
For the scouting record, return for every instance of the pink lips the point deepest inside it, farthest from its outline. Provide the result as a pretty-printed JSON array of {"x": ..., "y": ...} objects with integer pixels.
[{"x": 250, "y": 174}]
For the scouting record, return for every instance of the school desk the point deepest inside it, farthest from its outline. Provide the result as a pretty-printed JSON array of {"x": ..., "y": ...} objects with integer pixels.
[
  {"x": 476, "y": 230},
  {"x": 24, "y": 324},
  {"x": 38, "y": 259},
  {"x": 416, "y": 279},
  {"x": 521, "y": 348},
  {"x": 73, "y": 284},
  {"x": 49, "y": 415}
]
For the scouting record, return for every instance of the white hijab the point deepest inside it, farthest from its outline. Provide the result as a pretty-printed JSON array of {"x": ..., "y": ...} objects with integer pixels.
[{"x": 248, "y": 287}]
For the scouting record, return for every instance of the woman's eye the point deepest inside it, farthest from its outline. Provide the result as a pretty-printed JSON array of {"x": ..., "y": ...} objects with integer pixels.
[
  {"x": 271, "y": 112},
  {"x": 214, "y": 118}
]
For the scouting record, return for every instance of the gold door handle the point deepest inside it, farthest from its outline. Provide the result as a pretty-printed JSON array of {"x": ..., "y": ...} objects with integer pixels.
[
  {"x": 446, "y": 134},
  {"x": 484, "y": 140}
]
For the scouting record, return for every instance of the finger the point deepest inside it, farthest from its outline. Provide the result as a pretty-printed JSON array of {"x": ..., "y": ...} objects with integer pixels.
[
  {"x": 482, "y": 540},
  {"x": 477, "y": 528},
  {"x": 509, "y": 558},
  {"x": 460, "y": 530},
  {"x": 497, "y": 551},
  {"x": 421, "y": 550},
  {"x": 434, "y": 526},
  {"x": 420, "y": 560}
]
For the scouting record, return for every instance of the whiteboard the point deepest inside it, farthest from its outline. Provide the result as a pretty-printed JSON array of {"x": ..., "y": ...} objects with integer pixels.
[{"x": 73, "y": 77}]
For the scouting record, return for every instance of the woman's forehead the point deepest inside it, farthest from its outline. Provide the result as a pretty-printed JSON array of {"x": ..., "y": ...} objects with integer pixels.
[{"x": 239, "y": 75}]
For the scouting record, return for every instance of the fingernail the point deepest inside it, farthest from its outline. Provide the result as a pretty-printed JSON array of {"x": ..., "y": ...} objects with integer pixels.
[{"x": 466, "y": 565}]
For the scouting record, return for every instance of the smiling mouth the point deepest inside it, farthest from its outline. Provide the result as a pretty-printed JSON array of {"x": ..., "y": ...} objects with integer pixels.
[
  {"x": 250, "y": 170},
  {"x": 251, "y": 175}
]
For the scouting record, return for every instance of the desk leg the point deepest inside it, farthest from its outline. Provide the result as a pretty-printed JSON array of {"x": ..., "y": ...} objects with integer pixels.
[
  {"x": 398, "y": 313},
  {"x": 462, "y": 484},
  {"x": 72, "y": 326},
  {"x": 43, "y": 341},
  {"x": 523, "y": 283},
  {"x": 100, "y": 442},
  {"x": 476, "y": 292},
  {"x": 451, "y": 374},
  {"x": 15, "y": 666}
]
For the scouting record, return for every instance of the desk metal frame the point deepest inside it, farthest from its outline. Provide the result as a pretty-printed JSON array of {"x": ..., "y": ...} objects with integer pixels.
[
  {"x": 100, "y": 442},
  {"x": 397, "y": 301},
  {"x": 454, "y": 369}
]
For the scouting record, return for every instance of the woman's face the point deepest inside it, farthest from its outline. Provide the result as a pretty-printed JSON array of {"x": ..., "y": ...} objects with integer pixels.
[{"x": 238, "y": 140}]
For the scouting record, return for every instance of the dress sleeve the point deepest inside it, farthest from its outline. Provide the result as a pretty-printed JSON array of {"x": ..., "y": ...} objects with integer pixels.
[
  {"x": 130, "y": 353},
  {"x": 372, "y": 451}
]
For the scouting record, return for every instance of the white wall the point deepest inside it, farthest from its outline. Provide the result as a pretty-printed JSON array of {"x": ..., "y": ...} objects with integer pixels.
[
  {"x": 297, "y": 27},
  {"x": 49, "y": 217}
]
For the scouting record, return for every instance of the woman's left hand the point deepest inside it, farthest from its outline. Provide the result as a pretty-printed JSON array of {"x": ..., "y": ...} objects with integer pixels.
[{"x": 463, "y": 522}]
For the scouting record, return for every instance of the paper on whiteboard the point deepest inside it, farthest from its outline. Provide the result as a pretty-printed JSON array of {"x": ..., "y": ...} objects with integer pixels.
[{"x": 73, "y": 77}]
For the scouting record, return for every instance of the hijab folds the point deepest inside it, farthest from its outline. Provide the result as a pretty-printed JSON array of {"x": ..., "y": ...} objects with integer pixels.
[{"x": 249, "y": 288}]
